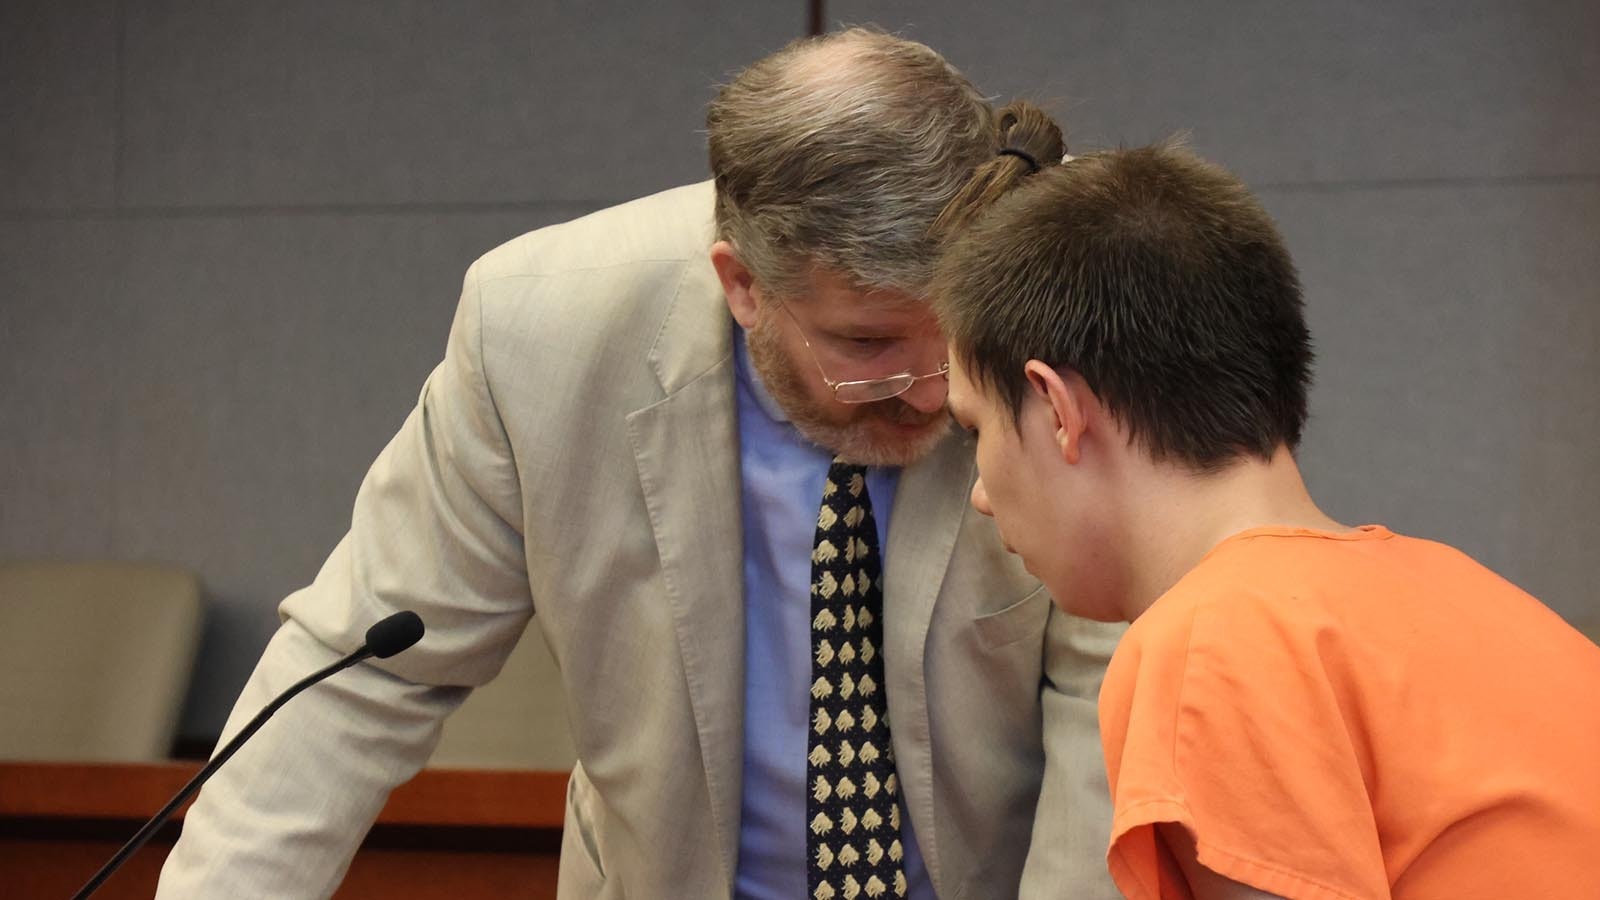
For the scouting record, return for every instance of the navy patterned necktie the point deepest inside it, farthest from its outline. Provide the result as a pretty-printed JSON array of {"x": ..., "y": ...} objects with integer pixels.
[{"x": 853, "y": 810}]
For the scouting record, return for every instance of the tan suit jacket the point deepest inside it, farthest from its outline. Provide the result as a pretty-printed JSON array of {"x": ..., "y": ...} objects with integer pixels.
[{"x": 574, "y": 458}]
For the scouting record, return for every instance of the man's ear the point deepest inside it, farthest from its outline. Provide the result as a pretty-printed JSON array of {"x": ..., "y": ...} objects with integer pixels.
[
  {"x": 738, "y": 284},
  {"x": 1069, "y": 407}
]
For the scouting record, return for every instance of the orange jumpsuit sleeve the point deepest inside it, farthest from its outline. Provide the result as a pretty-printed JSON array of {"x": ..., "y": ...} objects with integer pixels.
[{"x": 1225, "y": 714}]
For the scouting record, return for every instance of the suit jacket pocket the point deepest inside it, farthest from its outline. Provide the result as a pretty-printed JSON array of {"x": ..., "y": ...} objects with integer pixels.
[
  {"x": 581, "y": 874},
  {"x": 1022, "y": 619}
]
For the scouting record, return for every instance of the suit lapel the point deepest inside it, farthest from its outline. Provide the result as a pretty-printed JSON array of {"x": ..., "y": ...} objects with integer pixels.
[
  {"x": 928, "y": 509},
  {"x": 686, "y": 447}
]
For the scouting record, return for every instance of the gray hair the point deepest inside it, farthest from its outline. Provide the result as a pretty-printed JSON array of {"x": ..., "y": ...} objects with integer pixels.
[{"x": 839, "y": 152}]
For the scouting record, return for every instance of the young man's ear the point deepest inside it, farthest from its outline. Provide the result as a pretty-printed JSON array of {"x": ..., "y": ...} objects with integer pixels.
[
  {"x": 1068, "y": 407},
  {"x": 737, "y": 283}
]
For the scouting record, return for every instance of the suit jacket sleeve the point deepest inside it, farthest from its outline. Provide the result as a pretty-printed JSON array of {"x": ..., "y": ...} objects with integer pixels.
[
  {"x": 1072, "y": 825},
  {"x": 436, "y": 529}
]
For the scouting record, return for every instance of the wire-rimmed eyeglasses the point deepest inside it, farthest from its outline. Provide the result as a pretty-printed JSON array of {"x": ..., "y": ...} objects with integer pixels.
[{"x": 869, "y": 390}]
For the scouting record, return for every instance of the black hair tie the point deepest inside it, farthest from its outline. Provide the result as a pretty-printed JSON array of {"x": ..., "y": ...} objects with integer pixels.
[{"x": 1033, "y": 164}]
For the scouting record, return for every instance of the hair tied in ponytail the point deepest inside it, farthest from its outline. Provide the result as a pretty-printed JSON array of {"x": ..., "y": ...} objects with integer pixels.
[
  {"x": 1024, "y": 131},
  {"x": 1033, "y": 164}
]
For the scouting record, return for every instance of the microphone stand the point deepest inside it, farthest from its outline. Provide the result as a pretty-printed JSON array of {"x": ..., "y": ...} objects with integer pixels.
[{"x": 150, "y": 827}]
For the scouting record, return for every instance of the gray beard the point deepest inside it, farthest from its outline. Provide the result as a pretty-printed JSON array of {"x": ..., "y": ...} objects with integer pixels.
[{"x": 852, "y": 441}]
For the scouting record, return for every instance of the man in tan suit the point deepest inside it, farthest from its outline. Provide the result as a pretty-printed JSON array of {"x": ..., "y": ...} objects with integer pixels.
[{"x": 628, "y": 405}]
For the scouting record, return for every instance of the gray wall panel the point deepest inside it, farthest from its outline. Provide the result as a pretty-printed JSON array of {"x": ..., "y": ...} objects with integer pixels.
[
  {"x": 1296, "y": 91},
  {"x": 58, "y": 90},
  {"x": 211, "y": 391},
  {"x": 61, "y": 359},
  {"x": 305, "y": 101},
  {"x": 1457, "y": 330},
  {"x": 272, "y": 357}
]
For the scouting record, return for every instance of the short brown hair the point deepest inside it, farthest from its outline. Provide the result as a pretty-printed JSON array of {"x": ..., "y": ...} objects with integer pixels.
[
  {"x": 839, "y": 151},
  {"x": 1155, "y": 275}
]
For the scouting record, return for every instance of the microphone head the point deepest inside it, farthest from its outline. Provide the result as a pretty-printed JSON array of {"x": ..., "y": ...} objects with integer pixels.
[{"x": 394, "y": 633}]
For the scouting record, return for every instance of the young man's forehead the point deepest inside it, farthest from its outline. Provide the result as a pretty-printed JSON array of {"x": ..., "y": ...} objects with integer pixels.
[{"x": 963, "y": 395}]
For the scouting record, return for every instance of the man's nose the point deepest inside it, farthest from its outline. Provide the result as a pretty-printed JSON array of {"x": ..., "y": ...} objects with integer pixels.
[
  {"x": 980, "y": 499},
  {"x": 927, "y": 395}
]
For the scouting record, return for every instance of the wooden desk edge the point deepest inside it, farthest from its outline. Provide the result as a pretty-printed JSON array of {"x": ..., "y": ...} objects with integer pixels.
[{"x": 476, "y": 797}]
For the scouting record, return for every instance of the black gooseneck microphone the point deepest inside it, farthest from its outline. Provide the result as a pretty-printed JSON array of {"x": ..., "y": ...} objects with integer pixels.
[{"x": 384, "y": 639}]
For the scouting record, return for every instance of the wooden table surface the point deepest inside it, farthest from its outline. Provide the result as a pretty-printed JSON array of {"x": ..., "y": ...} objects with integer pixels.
[{"x": 450, "y": 834}]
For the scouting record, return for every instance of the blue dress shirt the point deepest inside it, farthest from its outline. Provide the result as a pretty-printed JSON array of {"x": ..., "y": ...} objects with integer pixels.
[{"x": 782, "y": 476}]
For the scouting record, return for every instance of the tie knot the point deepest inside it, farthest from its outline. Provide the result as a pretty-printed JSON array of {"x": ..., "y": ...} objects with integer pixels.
[
  {"x": 845, "y": 481},
  {"x": 842, "y": 468}
]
